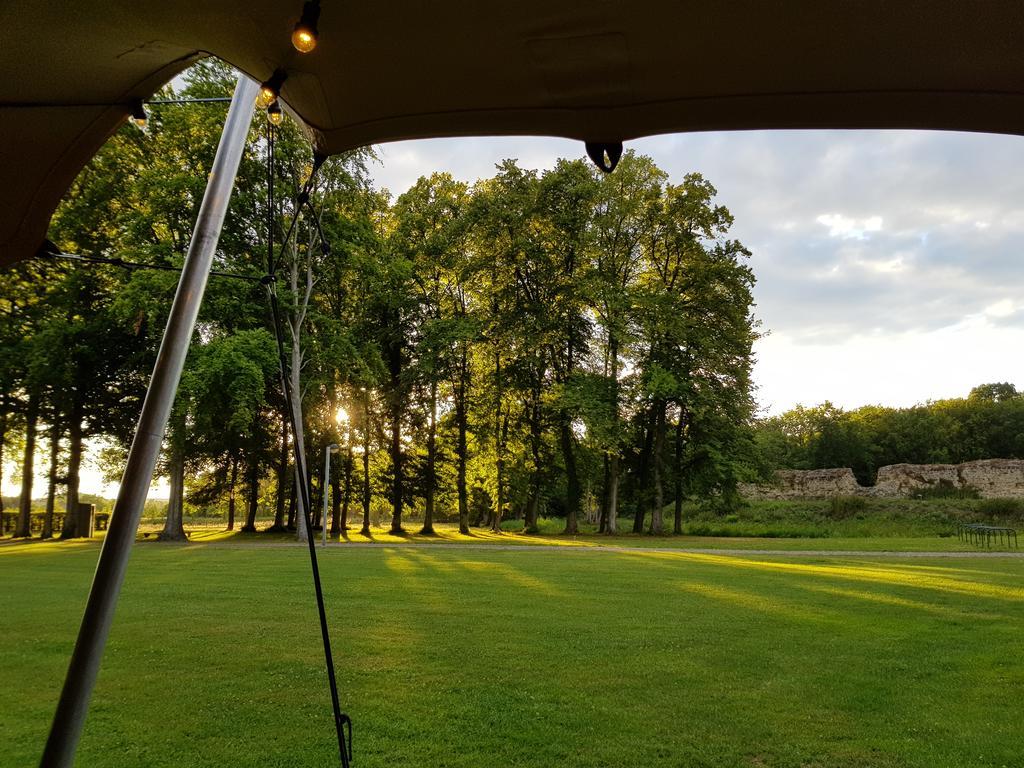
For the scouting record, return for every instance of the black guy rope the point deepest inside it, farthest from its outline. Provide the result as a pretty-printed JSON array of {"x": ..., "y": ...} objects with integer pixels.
[
  {"x": 134, "y": 265},
  {"x": 342, "y": 722}
]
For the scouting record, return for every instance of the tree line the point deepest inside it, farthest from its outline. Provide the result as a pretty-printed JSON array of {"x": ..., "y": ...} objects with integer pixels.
[
  {"x": 556, "y": 343},
  {"x": 987, "y": 424}
]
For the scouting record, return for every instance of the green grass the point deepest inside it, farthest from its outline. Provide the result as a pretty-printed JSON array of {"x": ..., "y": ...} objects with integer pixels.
[{"x": 475, "y": 657}]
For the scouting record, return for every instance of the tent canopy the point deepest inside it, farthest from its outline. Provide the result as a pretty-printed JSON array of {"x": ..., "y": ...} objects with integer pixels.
[{"x": 594, "y": 70}]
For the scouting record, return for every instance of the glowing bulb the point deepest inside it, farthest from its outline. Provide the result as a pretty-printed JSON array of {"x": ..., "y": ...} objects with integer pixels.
[
  {"x": 303, "y": 39},
  {"x": 265, "y": 98},
  {"x": 271, "y": 89},
  {"x": 341, "y": 416},
  {"x": 304, "y": 36},
  {"x": 274, "y": 113}
]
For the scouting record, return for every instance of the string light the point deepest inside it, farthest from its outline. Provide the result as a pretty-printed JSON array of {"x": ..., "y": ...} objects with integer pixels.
[
  {"x": 274, "y": 113},
  {"x": 139, "y": 116},
  {"x": 304, "y": 36},
  {"x": 271, "y": 89}
]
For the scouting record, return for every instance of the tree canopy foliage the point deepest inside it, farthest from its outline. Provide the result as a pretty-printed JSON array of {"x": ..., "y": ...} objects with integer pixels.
[{"x": 557, "y": 342}]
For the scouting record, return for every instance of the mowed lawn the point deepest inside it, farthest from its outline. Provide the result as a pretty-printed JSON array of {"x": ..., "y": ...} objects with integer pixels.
[{"x": 563, "y": 657}]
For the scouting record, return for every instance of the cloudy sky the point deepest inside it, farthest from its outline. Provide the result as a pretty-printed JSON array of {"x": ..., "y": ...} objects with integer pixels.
[{"x": 888, "y": 262}]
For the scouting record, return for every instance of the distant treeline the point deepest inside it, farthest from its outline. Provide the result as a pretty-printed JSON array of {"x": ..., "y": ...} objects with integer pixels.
[{"x": 987, "y": 424}]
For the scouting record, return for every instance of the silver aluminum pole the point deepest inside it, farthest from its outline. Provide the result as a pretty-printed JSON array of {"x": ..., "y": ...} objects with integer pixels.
[{"x": 138, "y": 471}]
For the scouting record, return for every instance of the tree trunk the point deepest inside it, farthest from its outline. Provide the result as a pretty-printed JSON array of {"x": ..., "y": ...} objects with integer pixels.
[
  {"x": 293, "y": 493},
  {"x": 302, "y": 522},
  {"x": 428, "y": 515},
  {"x": 253, "y": 493},
  {"x": 602, "y": 514},
  {"x": 677, "y": 526},
  {"x": 572, "y": 480},
  {"x": 533, "y": 502},
  {"x": 232, "y": 482},
  {"x": 24, "y": 527},
  {"x": 3, "y": 442},
  {"x": 51, "y": 486},
  {"x": 499, "y": 448},
  {"x": 461, "y": 448},
  {"x": 366, "y": 469},
  {"x": 295, "y": 321},
  {"x": 394, "y": 352},
  {"x": 174, "y": 528},
  {"x": 396, "y": 467},
  {"x": 612, "y": 495},
  {"x": 339, "y": 511},
  {"x": 657, "y": 520},
  {"x": 641, "y": 491},
  {"x": 75, "y": 437},
  {"x": 281, "y": 498},
  {"x": 316, "y": 501},
  {"x": 612, "y": 487}
]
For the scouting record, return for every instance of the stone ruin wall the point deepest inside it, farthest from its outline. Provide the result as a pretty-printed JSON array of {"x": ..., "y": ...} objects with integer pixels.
[{"x": 992, "y": 478}]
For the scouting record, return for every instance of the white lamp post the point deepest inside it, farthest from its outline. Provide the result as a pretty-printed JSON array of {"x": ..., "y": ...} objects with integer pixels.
[{"x": 332, "y": 448}]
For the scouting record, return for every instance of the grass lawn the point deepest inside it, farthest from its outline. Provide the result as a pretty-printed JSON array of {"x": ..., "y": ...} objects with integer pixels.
[{"x": 476, "y": 657}]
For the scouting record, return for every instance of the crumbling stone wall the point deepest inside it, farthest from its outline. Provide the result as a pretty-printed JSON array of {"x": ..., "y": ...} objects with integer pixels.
[
  {"x": 899, "y": 480},
  {"x": 992, "y": 478},
  {"x": 804, "y": 484}
]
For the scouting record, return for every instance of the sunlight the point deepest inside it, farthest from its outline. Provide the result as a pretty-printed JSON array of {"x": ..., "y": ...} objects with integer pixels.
[
  {"x": 757, "y": 601},
  {"x": 868, "y": 573}
]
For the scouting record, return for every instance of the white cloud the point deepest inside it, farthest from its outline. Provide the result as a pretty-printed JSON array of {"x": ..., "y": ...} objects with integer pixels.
[
  {"x": 1003, "y": 308},
  {"x": 846, "y": 227}
]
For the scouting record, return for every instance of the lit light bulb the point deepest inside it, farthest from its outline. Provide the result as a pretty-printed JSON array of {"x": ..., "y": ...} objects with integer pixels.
[
  {"x": 274, "y": 113},
  {"x": 271, "y": 89},
  {"x": 303, "y": 39},
  {"x": 266, "y": 97},
  {"x": 341, "y": 416},
  {"x": 139, "y": 116},
  {"x": 304, "y": 36}
]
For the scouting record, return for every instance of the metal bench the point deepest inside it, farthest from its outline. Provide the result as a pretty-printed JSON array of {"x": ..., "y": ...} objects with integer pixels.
[{"x": 982, "y": 534}]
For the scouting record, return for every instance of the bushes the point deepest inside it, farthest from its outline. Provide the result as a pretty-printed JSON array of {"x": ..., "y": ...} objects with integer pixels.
[
  {"x": 1002, "y": 508},
  {"x": 843, "y": 507},
  {"x": 946, "y": 490}
]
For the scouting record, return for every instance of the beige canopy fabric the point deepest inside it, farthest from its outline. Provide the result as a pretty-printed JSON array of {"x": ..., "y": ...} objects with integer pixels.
[{"x": 591, "y": 70}]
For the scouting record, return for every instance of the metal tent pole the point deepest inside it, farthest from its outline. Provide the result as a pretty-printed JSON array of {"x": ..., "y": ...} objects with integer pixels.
[{"x": 138, "y": 471}]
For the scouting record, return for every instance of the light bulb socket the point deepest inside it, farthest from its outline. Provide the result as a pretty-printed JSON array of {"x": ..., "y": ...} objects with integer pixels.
[
  {"x": 271, "y": 89},
  {"x": 139, "y": 116},
  {"x": 304, "y": 36}
]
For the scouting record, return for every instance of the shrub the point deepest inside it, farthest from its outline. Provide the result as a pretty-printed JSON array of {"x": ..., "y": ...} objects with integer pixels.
[
  {"x": 995, "y": 508},
  {"x": 842, "y": 507},
  {"x": 944, "y": 489}
]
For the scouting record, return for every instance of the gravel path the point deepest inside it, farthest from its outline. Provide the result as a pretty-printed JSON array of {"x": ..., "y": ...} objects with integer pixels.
[{"x": 337, "y": 548}]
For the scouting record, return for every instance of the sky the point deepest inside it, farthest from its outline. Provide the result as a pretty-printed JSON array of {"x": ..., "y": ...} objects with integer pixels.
[{"x": 888, "y": 263}]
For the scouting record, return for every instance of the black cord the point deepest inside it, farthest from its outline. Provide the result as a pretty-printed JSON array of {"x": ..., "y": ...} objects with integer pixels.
[
  {"x": 342, "y": 722},
  {"x": 134, "y": 265},
  {"x": 209, "y": 100},
  {"x": 93, "y": 104}
]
